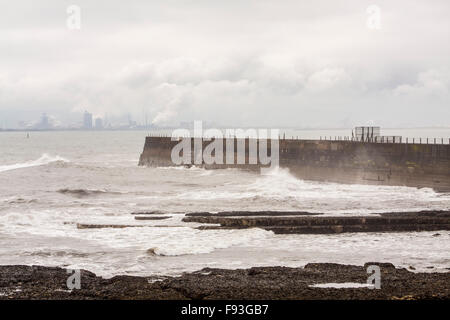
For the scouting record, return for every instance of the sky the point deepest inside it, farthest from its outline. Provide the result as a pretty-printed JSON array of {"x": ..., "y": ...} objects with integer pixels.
[{"x": 302, "y": 64}]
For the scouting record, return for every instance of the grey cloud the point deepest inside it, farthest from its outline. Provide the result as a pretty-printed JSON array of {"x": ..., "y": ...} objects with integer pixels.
[{"x": 232, "y": 62}]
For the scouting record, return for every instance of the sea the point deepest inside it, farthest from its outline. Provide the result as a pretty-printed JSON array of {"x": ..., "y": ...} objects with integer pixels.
[{"x": 50, "y": 181}]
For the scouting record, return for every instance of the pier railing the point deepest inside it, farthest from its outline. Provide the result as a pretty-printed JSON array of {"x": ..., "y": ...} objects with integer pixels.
[
  {"x": 390, "y": 139},
  {"x": 380, "y": 139}
]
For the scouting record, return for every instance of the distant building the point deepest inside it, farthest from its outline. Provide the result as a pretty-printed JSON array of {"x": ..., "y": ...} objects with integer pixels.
[
  {"x": 131, "y": 123},
  {"x": 44, "y": 120},
  {"x": 87, "y": 120},
  {"x": 44, "y": 123},
  {"x": 98, "y": 123}
]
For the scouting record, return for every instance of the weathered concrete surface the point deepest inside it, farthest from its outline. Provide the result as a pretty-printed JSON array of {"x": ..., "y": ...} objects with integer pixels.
[
  {"x": 394, "y": 222},
  {"x": 36, "y": 282},
  {"x": 156, "y": 212},
  {"x": 152, "y": 217},
  {"x": 415, "y": 165},
  {"x": 251, "y": 213},
  {"x": 102, "y": 226}
]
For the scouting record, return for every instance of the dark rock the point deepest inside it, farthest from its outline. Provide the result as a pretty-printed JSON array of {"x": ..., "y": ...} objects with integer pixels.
[
  {"x": 148, "y": 212},
  {"x": 101, "y": 226},
  {"x": 38, "y": 282},
  {"x": 280, "y": 223},
  {"x": 252, "y": 214},
  {"x": 383, "y": 265},
  {"x": 152, "y": 218}
]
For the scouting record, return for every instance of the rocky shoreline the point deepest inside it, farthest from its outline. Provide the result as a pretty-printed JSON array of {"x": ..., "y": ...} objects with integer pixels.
[{"x": 38, "y": 282}]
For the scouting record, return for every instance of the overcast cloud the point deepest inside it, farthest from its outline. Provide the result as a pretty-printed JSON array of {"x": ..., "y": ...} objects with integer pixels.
[{"x": 234, "y": 62}]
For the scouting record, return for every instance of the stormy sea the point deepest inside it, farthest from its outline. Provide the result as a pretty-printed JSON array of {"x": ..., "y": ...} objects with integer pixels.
[{"x": 52, "y": 181}]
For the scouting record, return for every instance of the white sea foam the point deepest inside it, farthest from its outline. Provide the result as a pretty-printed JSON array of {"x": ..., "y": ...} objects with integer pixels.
[
  {"x": 278, "y": 187},
  {"x": 169, "y": 237},
  {"x": 38, "y": 224},
  {"x": 43, "y": 160},
  {"x": 191, "y": 168}
]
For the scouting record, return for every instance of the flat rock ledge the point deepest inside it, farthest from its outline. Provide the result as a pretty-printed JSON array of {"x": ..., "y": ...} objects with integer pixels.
[
  {"x": 152, "y": 217},
  {"x": 303, "y": 223},
  {"x": 37, "y": 282},
  {"x": 104, "y": 226}
]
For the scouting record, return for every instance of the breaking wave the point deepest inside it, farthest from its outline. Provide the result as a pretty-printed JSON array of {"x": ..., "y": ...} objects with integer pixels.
[
  {"x": 43, "y": 160},
  {"x": 278, "y": 188},
  {"x": 80, "y": 193}
]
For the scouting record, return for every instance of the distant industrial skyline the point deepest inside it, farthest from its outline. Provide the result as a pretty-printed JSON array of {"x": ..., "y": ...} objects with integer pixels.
[
  {"x": 232, "y": 63},
  {"x": 86, "y": 121}
]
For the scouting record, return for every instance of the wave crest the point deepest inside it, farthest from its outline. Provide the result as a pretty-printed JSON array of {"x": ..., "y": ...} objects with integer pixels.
[
  {"x": 80, "y": 193},
  {"x": 43, "y": 160}
]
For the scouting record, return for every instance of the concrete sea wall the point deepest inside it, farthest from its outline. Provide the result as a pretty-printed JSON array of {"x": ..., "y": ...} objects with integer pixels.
[{"x": 404, "y": 164}]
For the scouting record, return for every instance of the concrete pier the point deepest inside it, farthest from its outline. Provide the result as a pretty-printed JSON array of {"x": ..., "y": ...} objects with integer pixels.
[{"x": 394, "y": 164}]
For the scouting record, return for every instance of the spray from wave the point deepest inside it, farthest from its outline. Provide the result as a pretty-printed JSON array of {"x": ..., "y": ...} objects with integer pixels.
[
  {"x": 279, "y": 189},
  {"x": 43, "y": 160}
]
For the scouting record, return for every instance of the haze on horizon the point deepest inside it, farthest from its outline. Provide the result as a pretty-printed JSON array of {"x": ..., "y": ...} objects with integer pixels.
[{"x": 234, "y": 63}]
